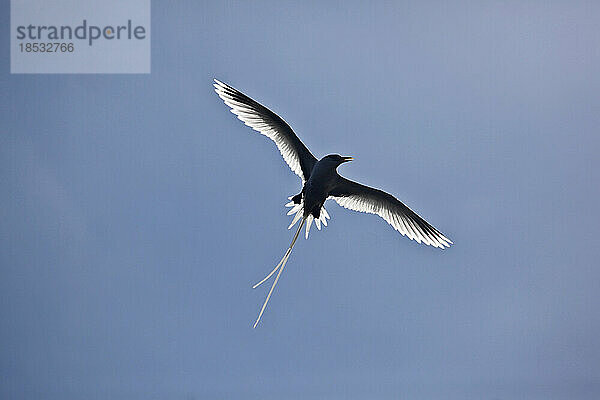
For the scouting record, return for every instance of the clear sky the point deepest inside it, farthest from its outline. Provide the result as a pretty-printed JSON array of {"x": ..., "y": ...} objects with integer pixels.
[{"x": 136, "y": 211}]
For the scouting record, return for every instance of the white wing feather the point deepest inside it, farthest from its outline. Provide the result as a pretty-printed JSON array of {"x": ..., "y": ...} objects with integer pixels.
[{"x": 401, "y": 222}]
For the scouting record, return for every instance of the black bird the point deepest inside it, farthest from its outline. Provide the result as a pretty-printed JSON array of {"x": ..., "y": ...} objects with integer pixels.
[{"x": 321, "y": 181}]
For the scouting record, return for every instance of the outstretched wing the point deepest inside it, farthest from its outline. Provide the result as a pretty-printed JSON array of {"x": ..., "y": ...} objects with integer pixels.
[
  {"x": 266, "y": 122},
  {"x": 354, "y": 196}
]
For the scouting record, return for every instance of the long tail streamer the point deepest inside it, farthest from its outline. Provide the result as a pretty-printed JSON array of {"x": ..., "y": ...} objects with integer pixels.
[{"x": 279, "y": 267}]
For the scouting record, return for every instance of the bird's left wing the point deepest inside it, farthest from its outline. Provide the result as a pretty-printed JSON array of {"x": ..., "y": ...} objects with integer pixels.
[
  {"x": 266, "y": 122},
  {"x": 357, "y": 197}
]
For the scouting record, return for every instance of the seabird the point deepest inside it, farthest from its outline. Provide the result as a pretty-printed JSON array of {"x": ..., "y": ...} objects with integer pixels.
[{"x": 320, "y": 181}]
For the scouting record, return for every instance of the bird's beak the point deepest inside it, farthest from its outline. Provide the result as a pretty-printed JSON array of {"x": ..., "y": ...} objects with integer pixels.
[{"x": 346, "y": 159}]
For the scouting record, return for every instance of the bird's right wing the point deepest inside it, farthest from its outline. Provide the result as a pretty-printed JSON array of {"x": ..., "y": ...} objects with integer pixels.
[
  {"x": 357, "y": 197},
  {"x": 266, "y": 122}
]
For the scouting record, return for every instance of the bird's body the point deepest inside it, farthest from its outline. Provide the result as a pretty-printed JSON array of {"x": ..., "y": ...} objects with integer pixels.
[
  {"x": 323, "y": 179},
  {"x": 321, "y": 182}
]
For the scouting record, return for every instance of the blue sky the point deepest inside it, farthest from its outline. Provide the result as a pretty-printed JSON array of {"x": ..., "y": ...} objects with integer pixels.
[{"x": 137, "y": 211}]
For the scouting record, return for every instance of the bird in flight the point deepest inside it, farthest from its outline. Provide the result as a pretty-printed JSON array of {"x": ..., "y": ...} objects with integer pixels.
[{"x": 320, "y": 181}]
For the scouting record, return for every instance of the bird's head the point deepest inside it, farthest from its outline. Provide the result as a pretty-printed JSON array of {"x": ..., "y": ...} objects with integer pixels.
[{"x": 336, "y": 159}]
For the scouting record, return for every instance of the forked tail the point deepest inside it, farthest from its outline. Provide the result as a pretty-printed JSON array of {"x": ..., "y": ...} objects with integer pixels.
[{"x": 279, "y": 267}]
